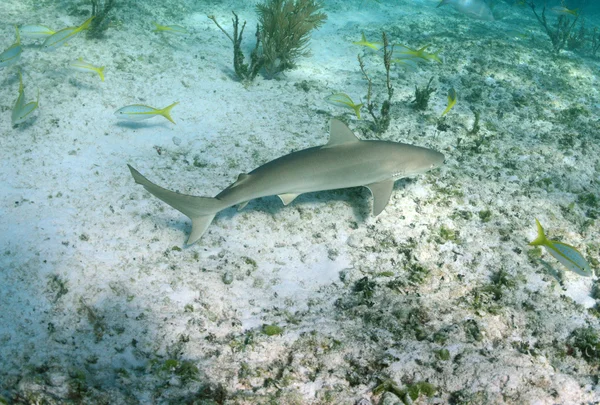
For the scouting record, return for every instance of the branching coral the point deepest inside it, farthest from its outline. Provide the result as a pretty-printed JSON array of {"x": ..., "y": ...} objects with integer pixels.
[
  {"x": 381, "y": 121},
  {"x": 100, "y": 10},
  {"x": 285, "y": 28},
  {"x": 244, "y": 71},
  {"x": 559, "y": 34},
  {"x": 422, "y": 96}
]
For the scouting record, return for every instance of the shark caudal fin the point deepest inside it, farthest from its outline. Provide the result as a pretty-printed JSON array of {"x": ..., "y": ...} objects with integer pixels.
[{"x": 201, "y": 210}]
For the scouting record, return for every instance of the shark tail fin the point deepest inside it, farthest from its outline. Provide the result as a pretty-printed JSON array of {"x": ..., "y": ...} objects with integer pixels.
[
  {"x": 201, "y": 210},
  {"x": 443, "y": 3}
]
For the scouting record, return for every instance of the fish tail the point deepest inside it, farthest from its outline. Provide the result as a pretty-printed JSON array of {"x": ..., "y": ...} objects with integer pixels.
[
  {"x": 201, "y": 210},
  {"x": 18, "y": 34},
  {"x": 357, "y": 108},
  {"x": 166, "y": 112},
  {"x": 443, "y": 3},
  {"x": 86, "y": 24},
  {"x": 157, "y": 27},
  {"x": 541, "y": 237},
  {"x": 101, "y": 72},
  {"x": 20, "y": 81}
]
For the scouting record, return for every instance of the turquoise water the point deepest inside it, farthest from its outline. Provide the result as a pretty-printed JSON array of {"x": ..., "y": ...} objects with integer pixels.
[{"x": 318, "y": 301}]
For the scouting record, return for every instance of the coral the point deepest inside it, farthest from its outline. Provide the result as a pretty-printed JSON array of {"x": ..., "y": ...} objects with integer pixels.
[
  {"x": 381, "y": 122},
  {"x": 285, "y": 28},
  {"x": 245, "y": 72},
  {"x": 561, "y": 32},
  {"x": 422, "y": 96},
  {"x": 587, "y": 341},
  {"x": 100, "y": 10}
]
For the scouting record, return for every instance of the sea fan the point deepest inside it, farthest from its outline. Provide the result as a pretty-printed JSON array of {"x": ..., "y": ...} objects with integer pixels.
[{"x": 285, "y": 28}]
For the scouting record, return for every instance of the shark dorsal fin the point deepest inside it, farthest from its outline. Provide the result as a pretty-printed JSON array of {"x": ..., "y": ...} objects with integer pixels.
[
  {"x": 242, "y": 177},
  {"x": 339, "y": 133}
]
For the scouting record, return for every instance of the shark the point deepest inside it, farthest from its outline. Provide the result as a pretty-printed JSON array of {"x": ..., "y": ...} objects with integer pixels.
[{"x": 345, "y": 161}]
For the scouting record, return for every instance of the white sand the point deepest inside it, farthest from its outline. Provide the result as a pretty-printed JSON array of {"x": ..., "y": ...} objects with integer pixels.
[{"x": 102, "y": 302}]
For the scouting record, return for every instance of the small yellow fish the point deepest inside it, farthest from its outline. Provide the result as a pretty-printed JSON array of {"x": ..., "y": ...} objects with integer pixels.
[
  {"x": 566, "y": 254},
  {"x": 451, "y": 101},
  {"x": 60, "y": 37},
  {"x": 22, "y": 111},
  {"x": 35, "y": 31},
  {"x": 81, "y": 66},
  {"x": 409, "y": 64},
  {"x": 363, "y": 42},
  {"x": 404, "y": 52},
  {"x": 138, "y": 112},
  {"x": 562, "y": 10},
  {"x": 13, "y": 53},
  {"x": 171, "y": 29},
  {"x": 344, "y": 100}
]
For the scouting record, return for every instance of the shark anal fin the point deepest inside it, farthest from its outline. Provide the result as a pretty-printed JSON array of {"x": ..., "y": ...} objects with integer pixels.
[
  {"x": 339, "y": 133},
  {"x": 287, "y": 198},
  {"x": 242, "y": 205},
  {"x": 381, "y": 194}
]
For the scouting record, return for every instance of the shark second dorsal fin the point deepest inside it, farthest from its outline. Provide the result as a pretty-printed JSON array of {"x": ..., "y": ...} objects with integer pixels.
[{"x": 339, "y": 133}]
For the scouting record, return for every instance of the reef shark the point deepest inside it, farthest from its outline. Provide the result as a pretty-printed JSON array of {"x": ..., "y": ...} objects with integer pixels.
[{"x": 345, "y": 161}]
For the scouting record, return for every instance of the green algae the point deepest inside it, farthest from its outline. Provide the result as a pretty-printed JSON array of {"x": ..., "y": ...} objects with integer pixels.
[{"x": 272, "y": 330}]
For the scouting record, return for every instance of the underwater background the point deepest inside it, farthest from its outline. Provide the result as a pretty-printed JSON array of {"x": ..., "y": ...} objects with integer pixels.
[{"x": 439, "y": 299}]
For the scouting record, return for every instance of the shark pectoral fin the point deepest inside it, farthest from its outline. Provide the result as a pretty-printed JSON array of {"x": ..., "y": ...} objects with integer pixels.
[
  {"x": 242, "y": 205},
  {"x": 287, "y": 198},
  {"x": 339, "y": 133},
  {"x": 381, "y": 194}
]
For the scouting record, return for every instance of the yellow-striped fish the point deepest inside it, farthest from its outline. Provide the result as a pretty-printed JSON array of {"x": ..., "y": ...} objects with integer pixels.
[
  {"x": 562, "y": 10},
  {"x": 59, "y": 38},
  {"x": 21, "y": 111},
  {"x": 451, "y": 101},
  {"x": 372, "y": 45},
  {"x": 170, "y": 29},
  {"x": 12, "y": 54},
  {"x": 35, "y": 31},
  {"x": 138, "y": 112},
  {"x": 566, "y": 254},
  {"x": 82, "y": 66},
  {"x": 404, "y": 52},
  {"x": 344, "y": 100}
]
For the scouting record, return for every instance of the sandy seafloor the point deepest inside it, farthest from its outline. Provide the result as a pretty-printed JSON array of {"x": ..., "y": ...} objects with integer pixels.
[{"x": 101, "y": 302}]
